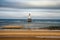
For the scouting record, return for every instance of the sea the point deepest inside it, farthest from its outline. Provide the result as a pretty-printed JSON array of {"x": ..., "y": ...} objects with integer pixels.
[{"x": 36, "y": 23}]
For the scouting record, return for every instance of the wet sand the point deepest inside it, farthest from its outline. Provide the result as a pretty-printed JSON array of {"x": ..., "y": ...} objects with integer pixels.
[
  {"x": 27, "y": 38},
  {"x": 12, "y": 27}
]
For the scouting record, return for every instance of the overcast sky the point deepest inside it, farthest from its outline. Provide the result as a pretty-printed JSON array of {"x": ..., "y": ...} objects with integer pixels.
[{"x": 39, "y": 9}]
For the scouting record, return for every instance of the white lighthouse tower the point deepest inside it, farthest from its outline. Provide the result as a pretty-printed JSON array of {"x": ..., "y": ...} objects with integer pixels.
[{"x": 29, "y": 18}]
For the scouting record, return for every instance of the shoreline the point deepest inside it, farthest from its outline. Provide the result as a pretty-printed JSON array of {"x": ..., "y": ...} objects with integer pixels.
[{"x": 27, "y": 30}]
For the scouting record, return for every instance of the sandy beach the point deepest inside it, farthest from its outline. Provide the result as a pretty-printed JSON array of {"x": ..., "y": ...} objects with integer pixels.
[
  {"x": 30, "y": 34},
  {"x": 27, "y": 38},
  {"x": 16, "y": 33}
]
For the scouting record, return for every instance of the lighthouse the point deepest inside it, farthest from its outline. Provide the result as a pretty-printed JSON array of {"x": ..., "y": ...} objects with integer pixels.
[{"x": 29, "y": 18}]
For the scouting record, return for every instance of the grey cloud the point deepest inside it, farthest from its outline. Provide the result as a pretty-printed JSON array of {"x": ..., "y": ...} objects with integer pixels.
[
  {"x": 24, "y": 4},
  {"x": 15, "y": 9}
]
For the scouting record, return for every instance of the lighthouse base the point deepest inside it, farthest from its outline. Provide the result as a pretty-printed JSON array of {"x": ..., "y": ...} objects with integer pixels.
[{"x": 29, "y": 20}]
